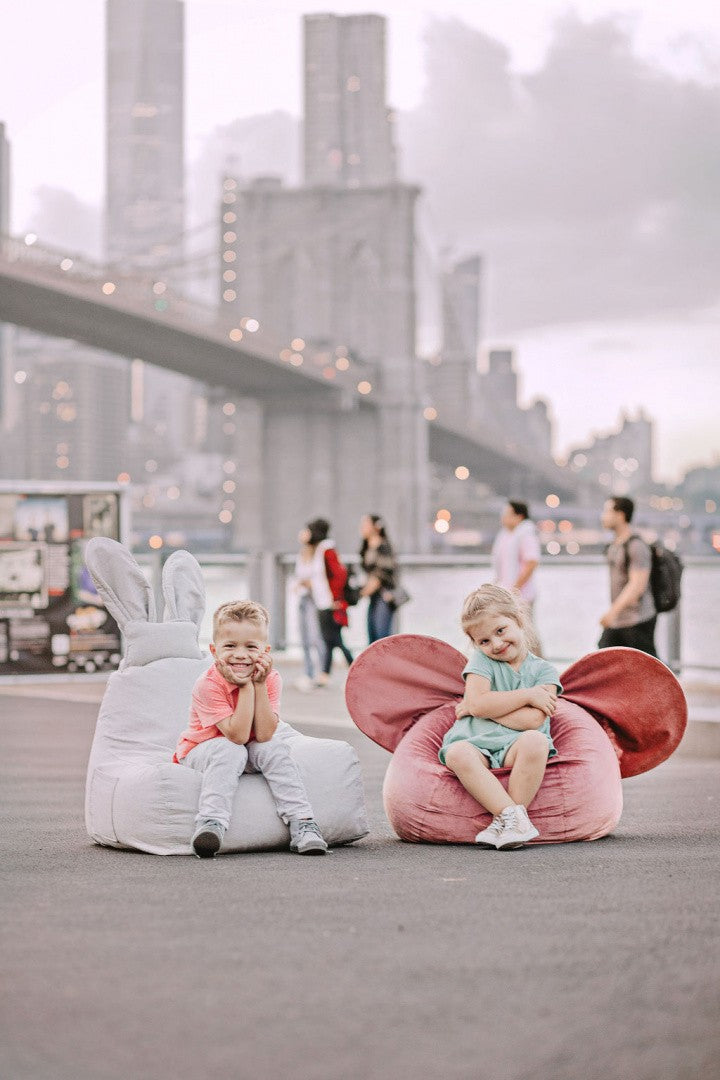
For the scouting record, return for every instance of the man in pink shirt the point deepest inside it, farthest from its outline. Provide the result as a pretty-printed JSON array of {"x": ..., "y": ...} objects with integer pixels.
[
  {"x": 516, "y": 552},
  {"x": 235, "y": 728}
]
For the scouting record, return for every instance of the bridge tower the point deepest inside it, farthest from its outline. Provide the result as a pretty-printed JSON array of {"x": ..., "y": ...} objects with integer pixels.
[{"x": 331, "y": 265}]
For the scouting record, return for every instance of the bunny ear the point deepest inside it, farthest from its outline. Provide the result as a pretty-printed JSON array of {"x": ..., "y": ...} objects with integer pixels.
[
  {"x": 125, "y": 591},
  {"x": 183, "y": 589}
]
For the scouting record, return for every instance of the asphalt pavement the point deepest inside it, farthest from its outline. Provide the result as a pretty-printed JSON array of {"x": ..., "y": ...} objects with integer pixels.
[{"x": 382, "y": 960}]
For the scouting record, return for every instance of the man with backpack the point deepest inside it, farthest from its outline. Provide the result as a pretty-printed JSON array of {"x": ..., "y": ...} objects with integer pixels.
[{"x": 630, "y": 619}]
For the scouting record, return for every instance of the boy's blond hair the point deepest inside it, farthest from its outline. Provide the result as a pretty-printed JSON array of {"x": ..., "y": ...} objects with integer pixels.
[
  {"x": 494, "y": 600},
  {"x": 241, "y": 611}
]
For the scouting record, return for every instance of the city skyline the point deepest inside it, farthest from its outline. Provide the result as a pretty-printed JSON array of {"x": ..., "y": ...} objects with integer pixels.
[{"x": 631, "y": 362}]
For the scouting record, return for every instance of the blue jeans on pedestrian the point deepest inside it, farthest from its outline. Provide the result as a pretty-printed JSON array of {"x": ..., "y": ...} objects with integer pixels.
[
  {"x": 379, "y": 618},
  {"x": 312, "y": 642}
]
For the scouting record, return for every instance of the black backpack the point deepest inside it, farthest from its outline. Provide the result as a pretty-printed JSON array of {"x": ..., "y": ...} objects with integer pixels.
[
  {"x": 665, "y": 574},
  {"x": 351, "y": 592}
]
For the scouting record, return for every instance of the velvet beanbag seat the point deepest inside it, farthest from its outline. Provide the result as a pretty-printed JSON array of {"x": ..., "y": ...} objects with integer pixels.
[
  {"x": 135, "y": 796},
  {"x": 622, "y": 712}
]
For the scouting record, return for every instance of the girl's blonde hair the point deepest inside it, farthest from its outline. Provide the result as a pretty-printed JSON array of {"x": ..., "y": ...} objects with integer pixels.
[{"x": 494, "y": 600}]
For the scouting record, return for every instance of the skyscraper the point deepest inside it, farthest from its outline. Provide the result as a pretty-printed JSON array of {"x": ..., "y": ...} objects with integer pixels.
[
  {"x": 145, "y": 189},
  {"x": 348, "y": 127},
  {"x": 5, "y": 330},
  {"x": 144, "y": 132},
  {"x": 454, "y": 382}
]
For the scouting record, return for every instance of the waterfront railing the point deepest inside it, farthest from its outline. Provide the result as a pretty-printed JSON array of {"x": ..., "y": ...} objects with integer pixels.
[{"x": 572, "y": 594}]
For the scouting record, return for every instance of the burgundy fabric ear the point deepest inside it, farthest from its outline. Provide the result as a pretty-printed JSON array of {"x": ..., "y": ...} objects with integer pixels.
[
  {"x": 635, "y": 698},
  {"x": 397, "y": 680}
]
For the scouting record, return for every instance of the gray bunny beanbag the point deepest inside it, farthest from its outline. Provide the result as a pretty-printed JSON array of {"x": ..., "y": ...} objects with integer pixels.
[{"x": 135, "y": 796}]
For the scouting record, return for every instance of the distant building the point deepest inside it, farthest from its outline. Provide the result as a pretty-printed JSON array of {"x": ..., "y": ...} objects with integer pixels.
[
  {"x": 6, "y": 384},
  {"x": 700, "y": 488},
  {"x": 145, "y": 185},
  {"x": 74, "y": 419},
  {"x": 144, "y": 132},
  {"x": 526, "y": 431},
  {"x": 348, "y": 127},
  {"x": 621, "y": 461},
  {"x": 453, "y": 379}
]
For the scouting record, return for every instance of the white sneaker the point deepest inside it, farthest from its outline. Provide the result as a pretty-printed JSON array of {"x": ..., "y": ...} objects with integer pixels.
[
  {"x": 517, "y": 828},
  {"x": 304, "y": 684},
  {"x": 489, "y": 837}
]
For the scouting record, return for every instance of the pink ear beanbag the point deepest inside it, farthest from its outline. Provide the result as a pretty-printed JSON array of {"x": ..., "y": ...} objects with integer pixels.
[{"x": 621, "y": 713}]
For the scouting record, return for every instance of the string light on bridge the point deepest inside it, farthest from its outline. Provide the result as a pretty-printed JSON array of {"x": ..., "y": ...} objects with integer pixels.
[
  {"x": 109, "y": 288},
  {"x": 462, "y": 472},
  {"x": 364, "y": 387},
  {"x": 430, "y": 413},
  {"x": 66, "y": 264},
  {"x": 235, "y": 334}
]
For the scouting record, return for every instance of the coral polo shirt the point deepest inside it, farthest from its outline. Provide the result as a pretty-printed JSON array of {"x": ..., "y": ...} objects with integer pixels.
[{"x": 214, "y": 699}]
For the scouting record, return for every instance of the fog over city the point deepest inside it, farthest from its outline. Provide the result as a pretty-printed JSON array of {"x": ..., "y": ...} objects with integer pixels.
[{"x": 576, "y": 149}]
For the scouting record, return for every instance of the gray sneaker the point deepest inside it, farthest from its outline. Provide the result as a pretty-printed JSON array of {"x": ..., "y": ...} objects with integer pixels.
[
  {"x": 207, "y": 838},
  {"x": 306, "y": 838},
  {"x": 517, "y": 829}
]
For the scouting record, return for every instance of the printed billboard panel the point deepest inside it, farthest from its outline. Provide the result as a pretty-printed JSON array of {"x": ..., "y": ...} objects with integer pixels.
[{"x": 51, "y": 617}]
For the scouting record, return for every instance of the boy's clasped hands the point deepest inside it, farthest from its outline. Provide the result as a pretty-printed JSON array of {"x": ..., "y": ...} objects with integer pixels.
[{"x": 260, "y": 668}]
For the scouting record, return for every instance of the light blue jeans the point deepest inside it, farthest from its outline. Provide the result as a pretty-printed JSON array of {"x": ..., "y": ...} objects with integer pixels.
[
  {"x": 310, "y": 636},
  {"x": 222, "y": 763}
]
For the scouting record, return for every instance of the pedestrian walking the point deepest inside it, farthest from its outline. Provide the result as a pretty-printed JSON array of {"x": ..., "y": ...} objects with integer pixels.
[
  {"x": 327, "y": 584},
  {"x": 630, "y": 619},
  {"x": 379, "y": 563},
  {"x": 516, "y": 555},
  {"x": 310, "y": 636},
  {"x": 503, "y": 719}
]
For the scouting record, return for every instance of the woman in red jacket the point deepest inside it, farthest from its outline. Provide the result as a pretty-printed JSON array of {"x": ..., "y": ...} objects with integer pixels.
[{"x": 327, "y": 582}]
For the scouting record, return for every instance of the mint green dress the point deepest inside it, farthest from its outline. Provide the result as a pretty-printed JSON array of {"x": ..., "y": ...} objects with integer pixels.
[{"x": 491, "y": 738}]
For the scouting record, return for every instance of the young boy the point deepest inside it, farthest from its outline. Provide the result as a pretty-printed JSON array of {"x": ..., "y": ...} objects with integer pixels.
[{"x": 235, "y": 727}]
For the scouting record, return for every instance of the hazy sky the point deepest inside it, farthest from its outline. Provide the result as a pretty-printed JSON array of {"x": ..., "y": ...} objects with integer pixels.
[{"x": 244, "y": 59}]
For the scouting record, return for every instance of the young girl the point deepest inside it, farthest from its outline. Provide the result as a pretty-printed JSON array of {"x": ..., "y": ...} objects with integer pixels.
[{"x": 503, "y": 720}]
